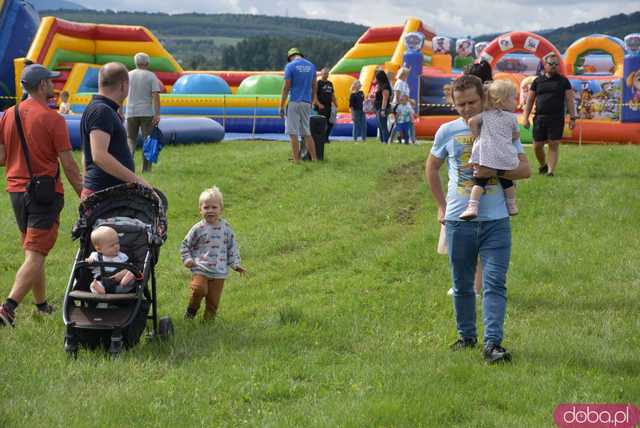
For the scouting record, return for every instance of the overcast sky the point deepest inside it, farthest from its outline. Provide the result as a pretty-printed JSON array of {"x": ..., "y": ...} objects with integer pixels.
[{"x": 446, "y": 17}]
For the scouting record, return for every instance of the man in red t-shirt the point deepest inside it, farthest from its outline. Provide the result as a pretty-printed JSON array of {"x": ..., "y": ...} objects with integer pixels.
[{"x": 47, "y": 139}]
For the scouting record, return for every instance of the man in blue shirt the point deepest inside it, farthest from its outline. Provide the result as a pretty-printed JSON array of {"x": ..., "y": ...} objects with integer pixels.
[
  {"x": 300, "y": 87},
  {"x": 107, "y": 157},
  {"x": 488, "y": 236}
]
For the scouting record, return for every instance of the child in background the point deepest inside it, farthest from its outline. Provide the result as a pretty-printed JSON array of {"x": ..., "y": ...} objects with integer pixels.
[
  {"x": 358, "y": 116},
  {"x": 400, "y": 87},
  {"x": 525, "y": 87},
  {"x": 405, "y": 115},
  {"x": 65, "y": 107},
  {"x": 107, "y": 249},
  {"x": 209, "y": 249},
  {"x": 496, "y": 129}
]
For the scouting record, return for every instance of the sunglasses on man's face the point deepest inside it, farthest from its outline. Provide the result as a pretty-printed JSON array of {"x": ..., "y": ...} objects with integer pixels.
[{"x": 552, "y": 63}]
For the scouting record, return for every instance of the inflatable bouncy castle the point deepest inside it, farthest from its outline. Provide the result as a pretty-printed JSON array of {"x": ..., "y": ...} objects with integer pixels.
[
  {"x": 603, "y": 71},
  {"x": 16, "y": 18},
  {"x": 607, "y": 86}
]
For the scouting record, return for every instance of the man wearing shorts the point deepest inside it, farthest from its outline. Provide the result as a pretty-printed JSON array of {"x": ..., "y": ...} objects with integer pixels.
[
  {"x": 107, "y": 159},
  {"x": 300, "y": 87},
  {"x": 143, "y": 104},
  {"x": 47, "y": 139},
  {"x": 549, "y": 91}
]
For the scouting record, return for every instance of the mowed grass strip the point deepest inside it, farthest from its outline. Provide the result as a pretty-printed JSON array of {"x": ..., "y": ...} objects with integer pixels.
[{"x": 345, "y": 320}]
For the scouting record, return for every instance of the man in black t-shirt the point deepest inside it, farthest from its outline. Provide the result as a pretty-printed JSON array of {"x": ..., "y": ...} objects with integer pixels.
[
  {"x": 107, "y": 158},
  {"x": 326, "y": 99},
  {"x": 549, "y": 91}
]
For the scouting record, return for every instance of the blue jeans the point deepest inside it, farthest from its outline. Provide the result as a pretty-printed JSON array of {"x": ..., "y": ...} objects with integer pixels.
[
  {"x": 382, "y": 125},
  {"x": 491, "y": 240},
  {"x": 359, "y": 119},
  {"x": 404, "y": 129}
]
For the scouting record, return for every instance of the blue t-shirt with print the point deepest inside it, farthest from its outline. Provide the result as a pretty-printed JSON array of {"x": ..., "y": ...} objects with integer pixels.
[
  {"x": 453, "y": 142},
  {"x": 301, "y": 73},
  {"x": 403, "y": 113}
]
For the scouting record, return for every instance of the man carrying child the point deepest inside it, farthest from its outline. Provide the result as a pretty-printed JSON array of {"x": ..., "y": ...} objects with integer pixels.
[{"x": 488, "y": 236}]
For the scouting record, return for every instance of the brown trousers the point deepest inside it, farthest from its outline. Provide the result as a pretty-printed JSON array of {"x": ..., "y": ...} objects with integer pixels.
[
  {"x": 134, "y": 126},
  {"x": 208, "y": 289}
]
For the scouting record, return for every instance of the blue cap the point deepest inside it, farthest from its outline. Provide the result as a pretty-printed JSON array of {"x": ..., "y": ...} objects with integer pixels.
[{"x": 35, "y": 73}]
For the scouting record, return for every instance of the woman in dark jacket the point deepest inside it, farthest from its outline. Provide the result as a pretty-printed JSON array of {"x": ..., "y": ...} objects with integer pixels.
[{"x": 382, "y": 104}]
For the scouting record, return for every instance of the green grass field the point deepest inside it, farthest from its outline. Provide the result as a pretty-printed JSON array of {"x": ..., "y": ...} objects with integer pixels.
[{"x": 345, "y": 319}]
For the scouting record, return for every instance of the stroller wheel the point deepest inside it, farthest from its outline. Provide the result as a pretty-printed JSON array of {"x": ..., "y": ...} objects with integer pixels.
[
  {"x": 116, "y": 344},
  {"x": 165, "y": 328},
  {"x": 71, "y": 346}
]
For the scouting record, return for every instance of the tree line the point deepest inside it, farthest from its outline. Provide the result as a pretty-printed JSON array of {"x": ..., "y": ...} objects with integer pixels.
[
  {"x": 263, "y": 40},
  {"x": 218, "y": 25},
  {"x": 270, "y": 53},
  {"x": 617, "y": 25}
]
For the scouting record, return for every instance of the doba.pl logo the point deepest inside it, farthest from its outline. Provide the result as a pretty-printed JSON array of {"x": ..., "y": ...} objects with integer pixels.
[{"x": 596, "y": 415}]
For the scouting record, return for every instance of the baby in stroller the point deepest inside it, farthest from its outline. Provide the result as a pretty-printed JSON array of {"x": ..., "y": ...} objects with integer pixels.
[{"x": 106, "y": 242}]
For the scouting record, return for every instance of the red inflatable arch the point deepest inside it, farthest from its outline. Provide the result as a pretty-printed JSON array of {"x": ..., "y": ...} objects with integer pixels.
[{"x": 519, "y": 41}]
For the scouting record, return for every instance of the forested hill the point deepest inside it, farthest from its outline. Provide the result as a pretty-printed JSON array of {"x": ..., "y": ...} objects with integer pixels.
[
  {"x": 54, "y": 4},
  {"x": 219, "y": 25},
  {"x": 234, "y": 42},
  {"x": 259, "y": 42},
  {"x": 617, "y": 25}
]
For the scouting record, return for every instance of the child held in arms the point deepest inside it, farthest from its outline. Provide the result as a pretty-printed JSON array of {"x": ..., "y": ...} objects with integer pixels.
[{"x": 496, "y": 130}]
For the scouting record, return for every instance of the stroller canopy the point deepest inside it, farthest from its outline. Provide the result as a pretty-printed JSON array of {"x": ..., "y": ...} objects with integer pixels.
[{"x": 126, "y": 200}]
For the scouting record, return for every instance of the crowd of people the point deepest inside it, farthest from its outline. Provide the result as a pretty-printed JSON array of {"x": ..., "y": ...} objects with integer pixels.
[{"x": 481, "y": 148}]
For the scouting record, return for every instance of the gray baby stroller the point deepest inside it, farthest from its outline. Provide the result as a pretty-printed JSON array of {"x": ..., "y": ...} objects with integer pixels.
[{"x": 117, "y": 320}]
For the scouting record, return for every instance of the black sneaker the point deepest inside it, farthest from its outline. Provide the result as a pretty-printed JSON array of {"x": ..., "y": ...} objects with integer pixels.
[
  {"x": 464, "y": 343},
  {"x": 45, "y": 310},
  {"x": 495, "y": 354},
  {"x": 189, "y": 314},
  {"x": 7, "y": 317},
  {"x": 543, "y": 169}
]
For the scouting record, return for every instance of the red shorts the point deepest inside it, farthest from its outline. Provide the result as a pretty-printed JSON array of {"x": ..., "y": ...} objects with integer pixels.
[{"x": 38, "y": 224}]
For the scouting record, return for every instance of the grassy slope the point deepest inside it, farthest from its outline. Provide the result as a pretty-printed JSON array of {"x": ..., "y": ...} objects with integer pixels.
[{"x": 345, "y": 320}]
